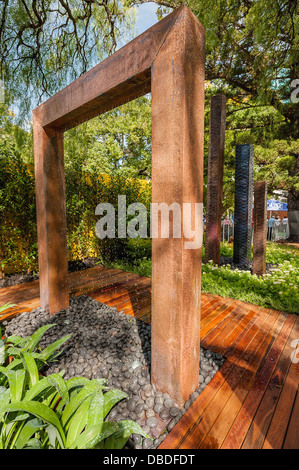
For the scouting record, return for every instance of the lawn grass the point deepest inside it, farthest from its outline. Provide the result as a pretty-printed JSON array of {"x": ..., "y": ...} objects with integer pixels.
[{"x": 277, "y": 290}]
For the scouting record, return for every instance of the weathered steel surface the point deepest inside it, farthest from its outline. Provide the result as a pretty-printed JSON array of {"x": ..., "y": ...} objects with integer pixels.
[
  {"x": 122, "y": 77},
  {"x": 215, "y": 178},
  {"x": 167, "y": 60},
  {"x": 243, "y": 204},
  {"x": 260, "y": 228},
  {"x": 177, "y": 175},
  {"x": 51, "y": 217}
]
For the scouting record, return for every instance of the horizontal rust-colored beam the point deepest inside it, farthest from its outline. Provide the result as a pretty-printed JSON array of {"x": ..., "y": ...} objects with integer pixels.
[{"x": 122, "y": 77}]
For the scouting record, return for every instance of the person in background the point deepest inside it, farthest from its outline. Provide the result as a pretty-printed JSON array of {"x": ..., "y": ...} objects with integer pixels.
[
  {"x": 285, "y": 220},
  {"x": 271, "y": 223}
]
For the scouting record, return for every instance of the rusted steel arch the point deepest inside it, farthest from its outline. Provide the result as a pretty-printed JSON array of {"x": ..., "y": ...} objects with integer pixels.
[{"x": 168, "y": 61}]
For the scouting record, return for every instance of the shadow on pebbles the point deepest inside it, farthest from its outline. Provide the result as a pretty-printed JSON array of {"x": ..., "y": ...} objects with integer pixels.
[{"x": 115, "y": 346}]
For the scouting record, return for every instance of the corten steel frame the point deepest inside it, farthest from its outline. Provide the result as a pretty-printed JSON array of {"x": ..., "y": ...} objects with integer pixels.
[
  {"x": 168, "y": 61},
  {"x": 215, "y": 177},
  {"x": 260, "y": 228}
]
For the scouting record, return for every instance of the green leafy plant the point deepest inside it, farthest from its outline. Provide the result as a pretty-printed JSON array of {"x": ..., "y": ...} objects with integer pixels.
[
  {"x": 26, "y": 350},
  {"x": 5, "y": 307},
  {"x": 50, "y": 412}
]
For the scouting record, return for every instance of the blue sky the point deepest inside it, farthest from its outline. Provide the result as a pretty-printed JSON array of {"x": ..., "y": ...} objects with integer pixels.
[{"x": 146, "y": 17}]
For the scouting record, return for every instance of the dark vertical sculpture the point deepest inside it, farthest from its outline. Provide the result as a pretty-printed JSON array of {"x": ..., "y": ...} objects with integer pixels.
[
  {"x": 215, "y": 178},
  {"x": 260, "y": 228},
  {"x": 243, "y": 204}
]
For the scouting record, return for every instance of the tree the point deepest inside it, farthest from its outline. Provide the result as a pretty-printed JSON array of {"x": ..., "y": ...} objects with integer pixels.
[
  {"x": 14, "y": 140},
  {"x": 45, "y": 45},
  {"x": 117, "y": 142},
  {"x": 252, "y": 55}
]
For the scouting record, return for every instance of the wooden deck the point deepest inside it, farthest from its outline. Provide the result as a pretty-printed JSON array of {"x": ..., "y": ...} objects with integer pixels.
[{"x": 252, "y": 402}]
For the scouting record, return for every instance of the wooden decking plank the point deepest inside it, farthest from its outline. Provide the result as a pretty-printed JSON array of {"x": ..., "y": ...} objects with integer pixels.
[
  {"x": 213, "y": 338},
  {"x": 211, "y": 306},
  {"x": 248, "y": 366},
  {"x": 17, "y": 293},
  {"x": 252, "y": 402},
  {"x": 232, "y": 381},
  {"x": 229, "y": 329},
  {"x": 259, "y": 426},
  {"x": 240, "y": 328},
  {"x": 217, "y": 317},
  {"x": 96, "y": 284},
  {"x": 192, "y": 418},
  {"x": 242, "y": 423},
  {"x": 22, "y": 308},
  {"x": 282, "y": 413},
  {"x": 119, "y": 289},
  {"x": 292, "y": 436}
]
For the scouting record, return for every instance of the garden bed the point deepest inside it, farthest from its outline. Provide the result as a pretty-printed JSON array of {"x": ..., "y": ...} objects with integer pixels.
[
  {"x": 115, "y": 346},
  {"x": 20, "y": 278}
]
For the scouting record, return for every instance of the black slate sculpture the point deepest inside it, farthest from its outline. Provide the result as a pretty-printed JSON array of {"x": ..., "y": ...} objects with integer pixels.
[{"x": 243, "y": 204}]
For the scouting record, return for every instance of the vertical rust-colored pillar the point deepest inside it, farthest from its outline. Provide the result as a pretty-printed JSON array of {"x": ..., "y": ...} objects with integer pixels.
[
  {"x": 177, "y": 176},
  {"x": 51, "y": 216},
  {"x": 260, "y": 228},
  {"x": 215, "y": 178}
]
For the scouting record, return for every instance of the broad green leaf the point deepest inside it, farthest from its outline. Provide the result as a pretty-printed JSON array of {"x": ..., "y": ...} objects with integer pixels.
[
  {"x": 57, "y": 381},
  {"x": 37, "y": 335},
  {"x": 40, "y": 387},
  {"x": 96, "y": 411},
  {"x": 30, "y": 428},
  {"x": 33, "y": 444},
  {"x": 14, "y": 351},
  {"x": 53, "y": 435},
  {"x": 52, "y": 348},
  {"x": 92, "y": 436},
  {"x": 111, "y": 398},
  {"x": 4, "y": 399},
  {"x": 126, "y": 428},
  {"x": 37, "y": 409},
  {"x": 30, "y": 366},
  {"x": 16, "y": 379},
  {"x": 78, "y": 422},
  {"x": 20, "y": 417},
  {"x": 2, "y": 352},
  {"x": 6, "y": 306},
  {"x": 15, "y": 364},
  {"x": 76, "y": 382},
  {"x": 76, "y": 400},
  {"x": 16, "y": 340}
]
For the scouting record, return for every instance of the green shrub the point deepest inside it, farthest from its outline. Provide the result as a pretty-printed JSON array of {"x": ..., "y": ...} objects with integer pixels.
[
  {"x": 50, "y": 412},
  {"x": 84, "y": 191}
]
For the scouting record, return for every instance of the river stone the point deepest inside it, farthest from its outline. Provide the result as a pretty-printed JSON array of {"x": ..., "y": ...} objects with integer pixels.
[
  {"x": 113, "y": 346},
  {"x": 152, "y": 422}
]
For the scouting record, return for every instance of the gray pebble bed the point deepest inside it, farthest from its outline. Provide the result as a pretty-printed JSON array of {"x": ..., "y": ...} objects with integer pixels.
[{"x": 109, "y": 344}]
